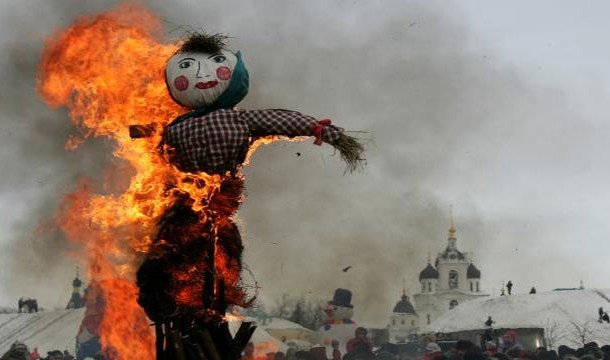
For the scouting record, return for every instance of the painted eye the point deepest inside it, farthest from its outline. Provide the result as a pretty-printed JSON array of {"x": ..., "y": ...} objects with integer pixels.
[
  {"x": 219, "y": 58},
  {"x": 185, "y": 64}
]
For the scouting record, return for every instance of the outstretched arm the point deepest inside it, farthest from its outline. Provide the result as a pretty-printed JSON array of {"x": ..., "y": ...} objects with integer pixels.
[{"x": 292, "y": 123}]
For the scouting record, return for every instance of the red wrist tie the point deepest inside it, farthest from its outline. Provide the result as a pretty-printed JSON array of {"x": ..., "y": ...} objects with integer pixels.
[{"x": 318, "y": 128}]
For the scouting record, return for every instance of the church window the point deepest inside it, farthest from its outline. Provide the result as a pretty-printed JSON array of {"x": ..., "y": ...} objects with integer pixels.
[
  {"x": 453, "y": 279},
  {"x": 428, "y": 318},
  {"x": 402, "y": 322},
  {"x": 393, "y": 321},
  {"x": 471, "y": 288},
  {"x": 452, "y": 304},
  {"x": 412, "y": 322},
  {"x": 429, "y": 287},
  {"x": 423, "y": 287},
  {"x": 478, "y": 286}
]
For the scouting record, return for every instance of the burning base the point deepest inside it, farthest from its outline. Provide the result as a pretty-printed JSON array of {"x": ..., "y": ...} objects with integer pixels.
[
  {"x": 182, "y": 338},
  {"x": 181, "y": 286}
]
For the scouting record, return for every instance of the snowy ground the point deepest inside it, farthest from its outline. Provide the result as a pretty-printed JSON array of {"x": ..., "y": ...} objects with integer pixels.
[
  {"x": 558, "y": 312},
  {"x": 48, "y": 330}
]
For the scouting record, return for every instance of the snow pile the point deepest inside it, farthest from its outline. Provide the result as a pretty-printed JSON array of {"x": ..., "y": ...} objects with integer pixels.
[
  {"x": 48, "y": 330},
  {"x": 282, "y": 324},
  {"x": 558, "y": 312}
]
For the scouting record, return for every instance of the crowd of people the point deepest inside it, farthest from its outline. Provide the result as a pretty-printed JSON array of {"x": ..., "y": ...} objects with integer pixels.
[
  {"x": 19, "y": 351},
  {"x": 360, "y": 347},
  {"x": 507, "y": 347}
]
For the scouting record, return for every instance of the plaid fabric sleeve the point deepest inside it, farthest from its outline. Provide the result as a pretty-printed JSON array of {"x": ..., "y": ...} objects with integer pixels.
[{"x": 289, "y": 123}]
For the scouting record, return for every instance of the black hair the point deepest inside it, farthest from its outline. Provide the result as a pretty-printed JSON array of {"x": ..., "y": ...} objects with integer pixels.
[
  {"x": 204, "y": 42},
  {"x": 361, "y": 330}
]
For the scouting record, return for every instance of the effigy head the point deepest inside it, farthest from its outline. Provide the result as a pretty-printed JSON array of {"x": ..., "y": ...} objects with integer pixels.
[{"x": 204, "y": 74}]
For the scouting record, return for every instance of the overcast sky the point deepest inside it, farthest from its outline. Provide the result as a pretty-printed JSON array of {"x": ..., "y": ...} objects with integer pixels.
[{"x": 497, "y": 108}]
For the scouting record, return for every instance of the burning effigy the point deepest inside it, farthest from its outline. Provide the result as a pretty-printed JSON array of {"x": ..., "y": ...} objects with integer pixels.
[{"x": 165, "y": 244}]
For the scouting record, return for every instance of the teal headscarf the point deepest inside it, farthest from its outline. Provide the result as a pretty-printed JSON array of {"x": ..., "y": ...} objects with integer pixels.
[{"x": 236, "y": 92}]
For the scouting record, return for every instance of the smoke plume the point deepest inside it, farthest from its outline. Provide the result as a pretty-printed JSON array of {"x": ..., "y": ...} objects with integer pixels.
[{"x": 403, "y": 72}]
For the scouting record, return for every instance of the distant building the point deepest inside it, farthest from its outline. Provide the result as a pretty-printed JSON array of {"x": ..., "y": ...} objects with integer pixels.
[
  {"x": 404, "y": 322},
  {"x": 76, "y": 301},
  {"x": 452, "y": 280},
  {"x": 549, "y": 318}
]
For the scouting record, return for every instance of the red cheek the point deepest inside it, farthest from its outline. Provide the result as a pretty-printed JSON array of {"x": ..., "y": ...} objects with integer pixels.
[
  {"x": 181, "y": 83},
  {"x": 223, "y": 73}
]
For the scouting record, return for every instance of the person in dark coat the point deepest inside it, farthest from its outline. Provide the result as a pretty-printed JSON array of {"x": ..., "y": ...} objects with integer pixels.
[
  {"x": 509, "y": 286},
  {"x": 462, "y": 347},
  {"x": 55, "y": 355},
  {"x": 17, "y": 351},
  {"x": 564, "y": 351},
  {"x": 336, "y": 352},
  {"x": 360, "y": 347},
  {"x": 489, "y": 321},
  {"x": 489, "y": 336}
]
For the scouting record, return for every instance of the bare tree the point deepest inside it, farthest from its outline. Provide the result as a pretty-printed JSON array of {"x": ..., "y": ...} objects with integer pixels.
[
  {"x": 308, "y": 313},
  {"x": 552, "y": 334},
  {"x": 581, "y": 333},
  {"x": 315, "y": 314},
  {"x": 298, "y": 314},
  {"x": 283, "y": 307}
]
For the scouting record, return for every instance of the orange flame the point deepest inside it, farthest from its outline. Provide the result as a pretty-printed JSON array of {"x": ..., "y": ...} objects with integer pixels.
[{"x": 108, "y": 71}]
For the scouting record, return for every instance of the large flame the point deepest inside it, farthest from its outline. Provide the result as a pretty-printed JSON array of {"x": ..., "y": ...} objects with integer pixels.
[{"x": 108, "y": 71}]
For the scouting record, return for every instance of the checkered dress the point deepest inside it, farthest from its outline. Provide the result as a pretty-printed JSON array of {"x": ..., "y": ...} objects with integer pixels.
[{"x": 218, "y": 142}]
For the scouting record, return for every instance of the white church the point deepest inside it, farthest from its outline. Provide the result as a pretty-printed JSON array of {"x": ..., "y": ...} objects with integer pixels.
[{"x": 452, "y": 280}]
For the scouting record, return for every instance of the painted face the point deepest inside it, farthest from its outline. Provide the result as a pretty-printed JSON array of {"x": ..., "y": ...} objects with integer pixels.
[{"x": 196, "y": 80}]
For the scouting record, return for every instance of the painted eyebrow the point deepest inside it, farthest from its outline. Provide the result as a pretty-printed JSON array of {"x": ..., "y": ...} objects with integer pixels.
[
  {"x": 185, "y": 59},
  {"x": 215, "y": 55}
]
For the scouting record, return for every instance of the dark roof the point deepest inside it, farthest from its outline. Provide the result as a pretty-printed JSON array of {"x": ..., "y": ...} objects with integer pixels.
[
  {"x": 473, "y": 272},
  {"x": 428, "y": 273},
  {"x": 404, "y": 306}
]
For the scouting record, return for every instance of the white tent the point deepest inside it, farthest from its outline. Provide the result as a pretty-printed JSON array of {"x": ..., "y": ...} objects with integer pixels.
[
  {"x": 263, "y": 341},
  {"x": 569, "y": 316}
]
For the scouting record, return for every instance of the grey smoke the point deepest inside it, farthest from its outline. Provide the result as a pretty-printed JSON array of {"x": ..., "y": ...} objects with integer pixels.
[{"x": 438, "y": 112}]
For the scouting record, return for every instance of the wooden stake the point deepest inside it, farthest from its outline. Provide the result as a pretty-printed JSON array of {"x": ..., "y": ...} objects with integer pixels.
[
  {"x": 177, "y": 345},
  {"x": 159, "y": 342},
  {"x": 209, "y": 347}
]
